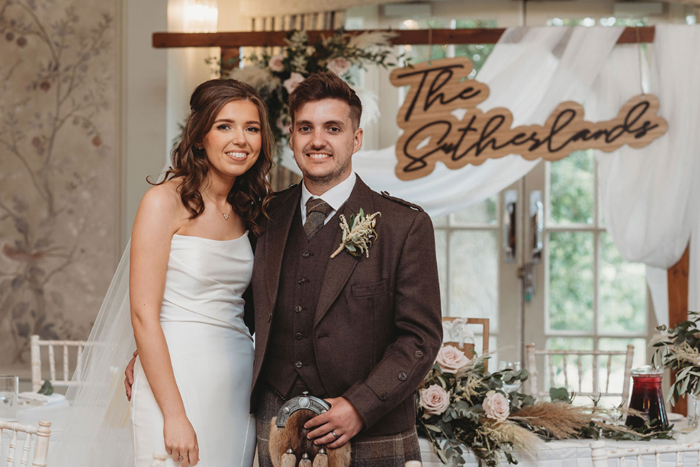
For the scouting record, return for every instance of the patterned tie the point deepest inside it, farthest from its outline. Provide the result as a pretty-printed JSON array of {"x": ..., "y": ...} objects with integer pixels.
[{"x": 316, "y": 212}]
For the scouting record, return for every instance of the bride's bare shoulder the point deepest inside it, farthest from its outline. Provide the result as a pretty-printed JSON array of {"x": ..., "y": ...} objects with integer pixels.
[{"x": 163, "y": 198}]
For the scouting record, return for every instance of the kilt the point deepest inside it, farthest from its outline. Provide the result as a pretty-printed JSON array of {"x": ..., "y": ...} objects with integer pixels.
[{"x": 367, "y": 451}]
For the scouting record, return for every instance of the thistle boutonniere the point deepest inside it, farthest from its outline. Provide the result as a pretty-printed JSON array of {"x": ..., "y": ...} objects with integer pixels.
[{"x": 359, "y": 234}]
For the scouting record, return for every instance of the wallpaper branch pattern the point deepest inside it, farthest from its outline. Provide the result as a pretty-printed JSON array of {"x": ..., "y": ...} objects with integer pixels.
[{"x": 58, "y": 186}]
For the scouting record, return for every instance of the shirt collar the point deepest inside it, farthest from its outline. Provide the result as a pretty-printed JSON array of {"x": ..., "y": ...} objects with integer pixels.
[{"x": 336, "y": 196}]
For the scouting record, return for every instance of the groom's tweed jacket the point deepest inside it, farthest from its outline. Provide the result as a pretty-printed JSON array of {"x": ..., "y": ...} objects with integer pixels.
[{"x": 377, "y": 323}]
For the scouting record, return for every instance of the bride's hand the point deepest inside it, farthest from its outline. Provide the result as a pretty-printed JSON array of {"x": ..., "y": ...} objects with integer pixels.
[{"x": 181, "y": 441}]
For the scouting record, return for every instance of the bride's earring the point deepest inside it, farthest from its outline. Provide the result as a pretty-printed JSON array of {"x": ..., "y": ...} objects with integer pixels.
[{"x": 321, "y": 459}]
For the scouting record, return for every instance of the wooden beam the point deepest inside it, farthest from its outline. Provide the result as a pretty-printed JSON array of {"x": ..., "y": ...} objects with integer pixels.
[
  {"x": 166, "y": 40},
  {"x": 678, "y": 305}
]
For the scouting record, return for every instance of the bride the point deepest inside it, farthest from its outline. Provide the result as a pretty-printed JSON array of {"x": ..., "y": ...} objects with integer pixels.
[{"x": 191, "y": 262}]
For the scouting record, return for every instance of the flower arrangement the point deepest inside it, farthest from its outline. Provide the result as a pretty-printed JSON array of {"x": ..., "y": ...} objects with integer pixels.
[
  {"x": 678, "y": 349},
  {"x": 460, "y": 405},
  {"x": 276, "y": 76}
]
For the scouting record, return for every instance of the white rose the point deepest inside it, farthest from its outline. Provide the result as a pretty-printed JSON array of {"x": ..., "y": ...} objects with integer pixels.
[
  {"x": 496, "y": 405},
  {"x": 293, "y": 81},
  {"x": 435, "y": 400},
  {"x": 451, "y": 359},
  {"x": 339, "y": 65},
  {"x": 276, "y": 64}
]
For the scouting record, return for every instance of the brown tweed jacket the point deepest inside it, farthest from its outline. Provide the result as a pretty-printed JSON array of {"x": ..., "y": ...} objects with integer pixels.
[{"x": 377, "y": 327}]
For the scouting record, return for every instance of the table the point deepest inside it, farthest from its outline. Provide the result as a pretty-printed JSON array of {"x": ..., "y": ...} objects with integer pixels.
[{"x": 576, "y": 453}]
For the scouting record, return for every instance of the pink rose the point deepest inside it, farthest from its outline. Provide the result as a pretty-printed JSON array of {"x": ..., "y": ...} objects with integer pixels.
[
  {"x": 293, "y": 81},
  {"x": 435, "y": 400},
  {"x": 451, "y": 359},
  {"x": 339, "y": 65},
  {"x": 496, "y": 405},
  {"x": 276, "y": 64}
]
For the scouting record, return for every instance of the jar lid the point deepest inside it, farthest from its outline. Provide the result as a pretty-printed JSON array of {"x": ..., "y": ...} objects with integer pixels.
[{"x": 647, "y": 370}]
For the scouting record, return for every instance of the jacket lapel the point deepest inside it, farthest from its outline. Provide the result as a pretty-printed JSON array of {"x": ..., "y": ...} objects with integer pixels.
[
  {"x": 340, "y": 268},
  {"x": 278, "y": 231}
]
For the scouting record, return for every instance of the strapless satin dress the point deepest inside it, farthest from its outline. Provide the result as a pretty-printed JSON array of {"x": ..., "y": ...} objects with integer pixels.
[{"x": 211, "y": 352}]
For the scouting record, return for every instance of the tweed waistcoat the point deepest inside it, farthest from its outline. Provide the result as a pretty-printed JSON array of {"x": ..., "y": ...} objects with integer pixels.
[{"x": 291, "y": 352}]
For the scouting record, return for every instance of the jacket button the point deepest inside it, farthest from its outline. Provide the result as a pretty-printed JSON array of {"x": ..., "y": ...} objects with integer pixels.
[
  {"x": 298, "y": 308},
  {"x": 402, "y": 376},
  {"x": 298, "y": 336},
  {"x": 383, "y": 396},
  {"x": 298, "y": 364},
  {"x": 305, "y": 254},
  {"x": 419, "y": 354}
]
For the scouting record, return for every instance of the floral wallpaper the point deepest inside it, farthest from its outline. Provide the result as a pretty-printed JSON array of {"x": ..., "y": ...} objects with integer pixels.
[{"x": 59, "y": 168}]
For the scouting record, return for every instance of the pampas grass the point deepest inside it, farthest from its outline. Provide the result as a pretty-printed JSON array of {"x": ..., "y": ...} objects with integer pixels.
[{"x": 557, "y": 419}]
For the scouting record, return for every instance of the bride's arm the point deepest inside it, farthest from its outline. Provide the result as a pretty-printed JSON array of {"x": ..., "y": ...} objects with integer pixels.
[{"x": 156, "y": 221}]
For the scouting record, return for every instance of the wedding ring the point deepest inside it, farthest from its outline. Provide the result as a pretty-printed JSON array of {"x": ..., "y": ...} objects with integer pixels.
[
  {"x": 181, "y": 458},
  {"x": 335, "y": 435}
]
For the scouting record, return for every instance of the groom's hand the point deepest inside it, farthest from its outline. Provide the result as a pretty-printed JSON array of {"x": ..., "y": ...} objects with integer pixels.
[
  {"x": 129, "y": 375},
  {"x": 343, "y": 419}
]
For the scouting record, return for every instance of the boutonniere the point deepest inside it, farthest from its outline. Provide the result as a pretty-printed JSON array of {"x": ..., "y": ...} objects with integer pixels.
[{"x": 359, "y": 234}]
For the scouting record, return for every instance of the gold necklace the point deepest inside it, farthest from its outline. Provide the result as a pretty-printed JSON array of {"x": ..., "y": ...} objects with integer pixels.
[{"x": 226, "y": 216}]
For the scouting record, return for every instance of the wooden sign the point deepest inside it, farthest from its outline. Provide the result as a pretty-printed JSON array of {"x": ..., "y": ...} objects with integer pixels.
[{"x": 431, "y": 132}]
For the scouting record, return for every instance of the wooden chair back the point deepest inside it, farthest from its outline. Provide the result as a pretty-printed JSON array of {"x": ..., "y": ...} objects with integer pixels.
[
  {"x": 464, "y": 346},
  {"x": 37, "y": 377},
  {"x": 567, "y": 355},
  {"x": 37, "y": 435},
  {"x": 600, "y": 454}
]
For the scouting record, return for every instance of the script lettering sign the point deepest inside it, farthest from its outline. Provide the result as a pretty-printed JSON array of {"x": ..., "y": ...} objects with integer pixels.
[{"x": 431, "y": 131}]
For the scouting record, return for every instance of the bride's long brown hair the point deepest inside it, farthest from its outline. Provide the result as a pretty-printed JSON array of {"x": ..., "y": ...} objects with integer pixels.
[{"x": 251, "y": 192}]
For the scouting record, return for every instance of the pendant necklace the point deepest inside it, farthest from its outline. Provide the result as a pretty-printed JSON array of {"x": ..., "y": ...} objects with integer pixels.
[{"x": 226, "y": 216}]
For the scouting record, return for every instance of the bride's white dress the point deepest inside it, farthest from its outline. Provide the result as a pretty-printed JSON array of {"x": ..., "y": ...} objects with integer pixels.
[{"x": 211, "y": 351}]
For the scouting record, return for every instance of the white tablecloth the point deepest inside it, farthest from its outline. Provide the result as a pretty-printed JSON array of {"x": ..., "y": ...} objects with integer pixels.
[{"x": 576, "y": 453}]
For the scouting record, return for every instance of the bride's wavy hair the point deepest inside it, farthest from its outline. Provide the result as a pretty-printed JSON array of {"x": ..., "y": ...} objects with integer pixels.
[{"x": 251, "y": 192}]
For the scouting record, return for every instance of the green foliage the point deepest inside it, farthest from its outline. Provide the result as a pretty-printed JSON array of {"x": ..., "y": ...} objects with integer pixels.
[{"x": 46, "y": 389}]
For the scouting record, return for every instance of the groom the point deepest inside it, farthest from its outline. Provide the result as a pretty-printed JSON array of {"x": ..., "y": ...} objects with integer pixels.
[{"x": 359, "y": 331}]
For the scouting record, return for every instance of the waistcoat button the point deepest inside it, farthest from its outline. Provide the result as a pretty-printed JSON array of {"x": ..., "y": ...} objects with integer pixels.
[
  {"x": 301, "y": 281},
  {"x": 298, "y": 336},
  {"x": 305, "y": 254},
  {"x": 298, "y": 308},
  {"x": 402, "y": 376},
  {"x": 298, "y": 364}
]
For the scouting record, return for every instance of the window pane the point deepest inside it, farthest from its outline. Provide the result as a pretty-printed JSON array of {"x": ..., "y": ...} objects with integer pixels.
[
  {"x": 477, "y": 53},
  {"x": 440, "y": 221},
  {"x": 570, "y": 305},
  {"x": 421, "y": 53},
  {"x": 622, "y": 292},
  {"x": 474, "y": 275},
  {"x": 571, "y": 189},
  {"x": 441, "y": 247},
  {"x": 480, "y": 213}
]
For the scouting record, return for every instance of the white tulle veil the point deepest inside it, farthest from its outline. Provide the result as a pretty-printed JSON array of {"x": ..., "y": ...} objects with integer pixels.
[{"x": 97, "y": 428}]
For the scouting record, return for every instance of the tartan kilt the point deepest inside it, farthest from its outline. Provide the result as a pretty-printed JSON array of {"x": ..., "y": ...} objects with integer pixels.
[{"x": 367, "y": 451}]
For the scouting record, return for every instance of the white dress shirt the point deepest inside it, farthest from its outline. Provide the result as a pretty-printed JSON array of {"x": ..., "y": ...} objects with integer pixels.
[{"x": 335, "y": 197}]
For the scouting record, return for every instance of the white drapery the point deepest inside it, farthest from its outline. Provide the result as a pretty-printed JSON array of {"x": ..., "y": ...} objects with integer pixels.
[{"x": 649, "y": 198}]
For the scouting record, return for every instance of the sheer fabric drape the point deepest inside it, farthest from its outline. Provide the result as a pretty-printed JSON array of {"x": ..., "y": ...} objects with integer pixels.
[{"x": 651, "y": 196}]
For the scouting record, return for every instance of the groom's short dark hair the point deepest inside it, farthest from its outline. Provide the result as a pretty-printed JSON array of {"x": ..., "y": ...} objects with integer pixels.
[{"x": 325, "y": 85}]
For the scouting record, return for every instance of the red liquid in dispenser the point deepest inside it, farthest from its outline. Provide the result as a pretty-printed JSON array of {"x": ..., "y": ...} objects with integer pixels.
[{"x": 647, "y": 397}]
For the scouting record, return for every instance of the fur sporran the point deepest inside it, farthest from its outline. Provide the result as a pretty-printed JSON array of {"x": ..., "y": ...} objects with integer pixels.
[{"x": 290, "y": 447}]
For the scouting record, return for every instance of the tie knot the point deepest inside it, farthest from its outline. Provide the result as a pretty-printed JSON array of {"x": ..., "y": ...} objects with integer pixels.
[{"x": 318, "y": 205}]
